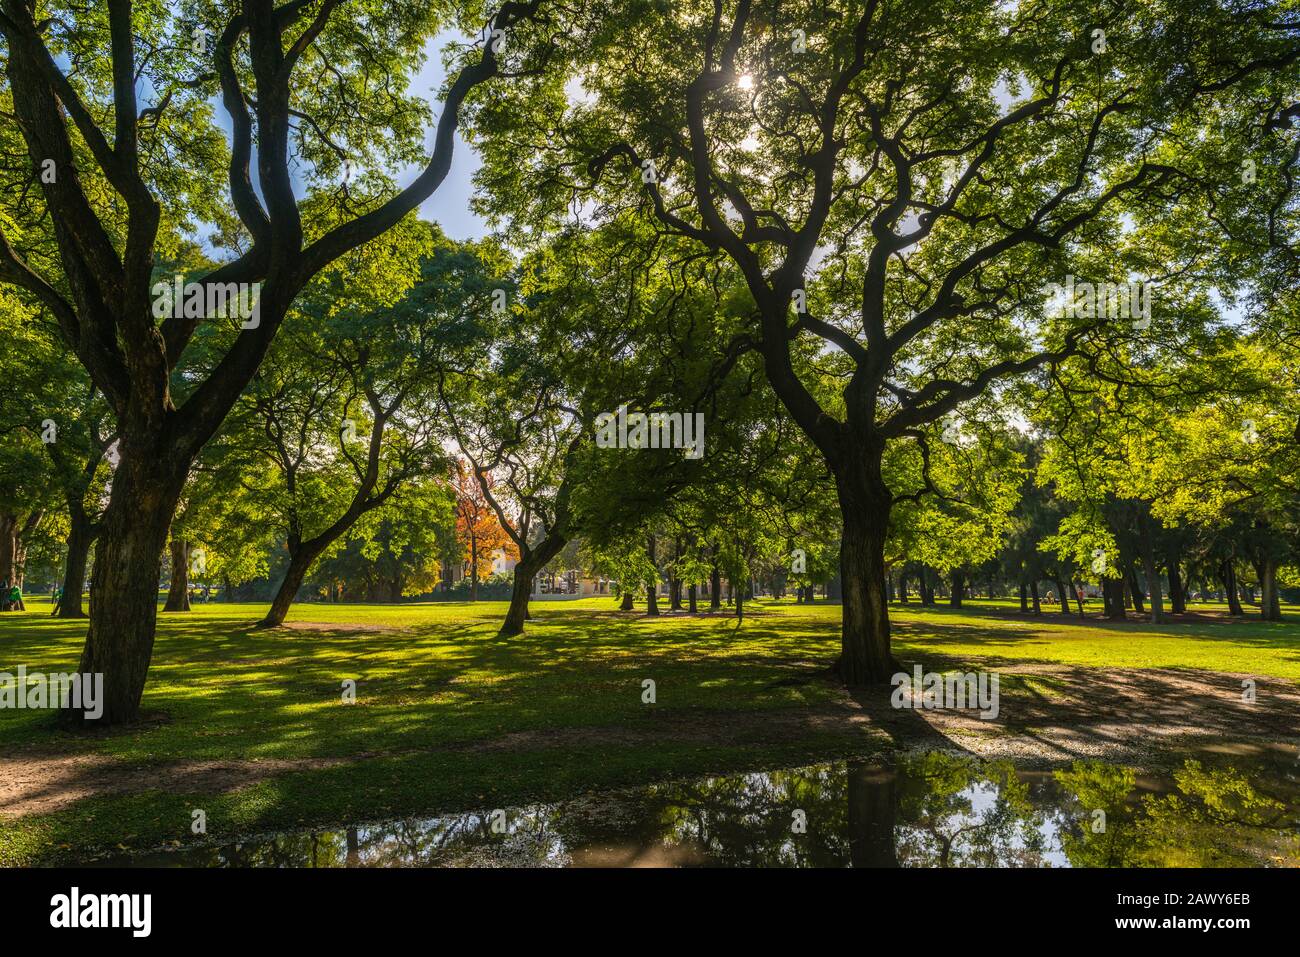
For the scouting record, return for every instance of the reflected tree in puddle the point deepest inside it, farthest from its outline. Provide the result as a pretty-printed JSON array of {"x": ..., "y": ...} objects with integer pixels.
[
  {"x": 926, "y": 810},
  {"x": 1211, "y": 817},
  {"x": 959, "y": 812}
]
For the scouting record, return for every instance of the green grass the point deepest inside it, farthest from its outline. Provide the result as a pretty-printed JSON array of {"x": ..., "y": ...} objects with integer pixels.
[{"x": 432, "y": 680}]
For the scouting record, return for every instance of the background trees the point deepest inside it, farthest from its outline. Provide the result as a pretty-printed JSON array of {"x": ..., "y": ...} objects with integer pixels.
[{"x": 880, "y": 200}]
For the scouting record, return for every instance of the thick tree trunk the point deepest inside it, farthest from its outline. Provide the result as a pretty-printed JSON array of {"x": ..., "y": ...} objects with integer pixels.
[
  {"x": 902, "y": 586},
  {"x": 956, "y": 582},
  {"x": 300, "y": 562},
  {"x": 1270, "y": 607},
  {"x": 865, "y": 503},
  {"x": 178, "y": 593},
  {"x": 740, "y": 600},
  {"x": 924, "y": 586},
  {"x": 1024, "y": 598},
  {"x": 1135, "y": 589},
  {"x": 530, "y": 563},
  {"x": 715, "y": 588},
  {"x": 692, "y": 596},
  {"x": 627, "y": 600},
  {"x": 1228, "y": 575},
  {"x": 871, "y": 816},
  {"x": 1065, "y": 598},
  {"x": 520, "y": 591},
  {"x": 1177, "y": 594},
  {"x": 1112, "y": 590},
  {"x": 124, "y": 584},
  {"x": 1151, "y": 570},
  {"x": 80, "y": 538},
  {"x": 1033, "y": 595}
]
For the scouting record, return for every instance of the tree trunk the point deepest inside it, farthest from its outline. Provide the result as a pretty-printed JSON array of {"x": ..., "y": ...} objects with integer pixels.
[
  {"x": 520, "y": 591},
  {"x": 956, "y": 582},
  {"x": 871, "y": 816},
  {"x": 124, "y": 583},
  {"x": 80, "y": 537},
  {"x": 692, "y": 597},
  {"x": 178, "y": 593},
  {"x": 865, "y": 503},
  {"x": 1061, "y": 594},
  {"x": 715, "y": 588},
  {"x": 1033, "y": 595},
  {"x": 1270, "y": 608},
  {"x": 1228, "y": 575},
  {"x": 473, "y": 567},
  {"x": 1112, "y": 590},
  {"x": 1177, "y": 595},
  {"x": 740, "y": 600},
  {"x": 902, "y": 586},
  {"x": 652, "y": 590},
  {"x": 300, "y": 562},
  {"x": 1151, "y": 570},
  {"x": 1135, "y": 589},
  {"x": 1024, "y": 598}
]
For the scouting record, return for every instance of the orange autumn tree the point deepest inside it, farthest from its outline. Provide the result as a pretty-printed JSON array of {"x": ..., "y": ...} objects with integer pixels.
[{"x": 477, "y": 527}]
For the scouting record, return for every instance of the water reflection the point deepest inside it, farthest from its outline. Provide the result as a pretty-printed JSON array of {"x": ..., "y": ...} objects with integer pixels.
[{"x": 924, "y": 810}]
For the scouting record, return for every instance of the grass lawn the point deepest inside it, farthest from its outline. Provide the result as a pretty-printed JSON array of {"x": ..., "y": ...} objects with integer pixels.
[{"x": 447, "y": 717}]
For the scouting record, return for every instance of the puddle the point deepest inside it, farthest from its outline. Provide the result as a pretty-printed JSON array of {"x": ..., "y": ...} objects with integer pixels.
[{"x": 1226, "y": 807}]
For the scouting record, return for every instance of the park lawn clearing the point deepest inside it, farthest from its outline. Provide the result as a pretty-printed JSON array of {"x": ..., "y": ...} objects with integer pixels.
[{"x": 250, "y": 725}]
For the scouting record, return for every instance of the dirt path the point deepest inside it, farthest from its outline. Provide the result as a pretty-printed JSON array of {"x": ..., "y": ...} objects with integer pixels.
[{"x": 1057, "y": 713}]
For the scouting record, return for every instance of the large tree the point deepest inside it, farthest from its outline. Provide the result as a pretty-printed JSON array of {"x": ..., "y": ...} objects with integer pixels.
[
  {"x": 895, "y": 181},
  {"x": 116, "y": 177}
]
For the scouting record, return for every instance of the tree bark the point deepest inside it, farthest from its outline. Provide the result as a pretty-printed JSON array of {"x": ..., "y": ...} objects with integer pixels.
[
  {"x": 80, "y": 537},
  {"x": 1151, "y": 570},
  {"x": 1135, "y": 589},
  {"x": 652, "y": 590},
  {"x": 1024, "y": 598},
  {"x": 692, "y": 597},
  {"x": 1177, "y": 594},
  {"x": 956, "y": 581},
  {"x": 1270, "y": 607},
  {"x": 1033, "y": 594},
  {"x": 865, "y": 504},
  {"x": 715, "y": 588},
  {"x": 1228, "y": 575},
  {"x": 1112, "y": 590},
  {"x": 178, "y": 593},
  {"x": 124, "y": 583},
  {"x": 627, "y": 600},
  {"x": 532, "y": 561}
]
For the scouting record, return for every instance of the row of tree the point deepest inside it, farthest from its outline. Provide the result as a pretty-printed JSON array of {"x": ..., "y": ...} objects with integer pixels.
[{"x": 825, "y": 225}]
